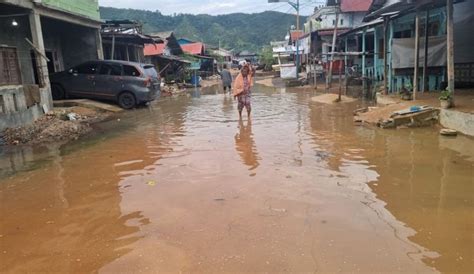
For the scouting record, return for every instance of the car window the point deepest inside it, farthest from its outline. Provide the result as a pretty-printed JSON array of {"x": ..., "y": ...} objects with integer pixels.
[
  {"x": 89, "y": 68},
  {"x": 130, "y": 71},
  {"x": 110, "y": 69}
]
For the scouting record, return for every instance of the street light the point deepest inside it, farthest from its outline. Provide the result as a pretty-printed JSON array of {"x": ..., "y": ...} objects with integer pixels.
[
  {"x": 296, "y": 6},
  {"x": 14, "y": 23}
]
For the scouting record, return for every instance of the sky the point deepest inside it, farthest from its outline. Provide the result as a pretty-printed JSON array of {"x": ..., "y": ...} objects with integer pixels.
[{"x": 212, "y": 7}]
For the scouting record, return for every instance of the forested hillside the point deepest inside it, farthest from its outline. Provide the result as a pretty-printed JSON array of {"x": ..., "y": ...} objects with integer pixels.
[{"x": 237, "y": 31}]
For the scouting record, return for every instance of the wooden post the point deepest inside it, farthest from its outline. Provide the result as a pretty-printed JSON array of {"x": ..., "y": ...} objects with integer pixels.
[
  {"x": 364, "y": 73},
  {"x": 315, "y": 74},
  {"x": 333, "y": 49},
  {"x": 340, "y": 83},
  {"x": 425, "y": 62},
  {"x": 417, "y": 54},
  {"x": 112, "y": 54},
  {"x": 450, "y": 37},
  {"x": 385, "y": 57},
  {"x": 376, "y": 54},
  {"x": 345, "y": 56}
]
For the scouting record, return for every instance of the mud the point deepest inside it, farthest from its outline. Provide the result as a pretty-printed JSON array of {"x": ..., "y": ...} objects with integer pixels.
[
  {"x": 184, "y": 186},
  {"x": 55, "y": 126}
]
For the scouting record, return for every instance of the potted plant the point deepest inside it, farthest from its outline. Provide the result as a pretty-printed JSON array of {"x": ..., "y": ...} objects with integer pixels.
[{"x": 445, "y": 99}]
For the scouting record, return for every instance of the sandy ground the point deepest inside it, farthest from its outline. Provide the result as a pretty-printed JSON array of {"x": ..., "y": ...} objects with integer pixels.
[
  {"x": 331, "y": 98},
  {"x": 55, "y": 126}
]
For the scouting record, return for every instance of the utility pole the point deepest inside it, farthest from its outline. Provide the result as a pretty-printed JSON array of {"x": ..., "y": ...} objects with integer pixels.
[{"x": 297, "y": 7}]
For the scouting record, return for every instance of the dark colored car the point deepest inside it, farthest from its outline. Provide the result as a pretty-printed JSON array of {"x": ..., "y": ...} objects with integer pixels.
[{"x": 127, "y": 83}]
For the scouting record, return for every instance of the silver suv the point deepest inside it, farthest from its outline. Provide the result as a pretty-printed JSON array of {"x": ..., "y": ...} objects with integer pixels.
[{"x": 127, "y": 83}]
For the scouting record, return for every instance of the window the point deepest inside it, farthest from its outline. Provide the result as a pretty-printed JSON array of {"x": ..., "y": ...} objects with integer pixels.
[
  {"x": 111, "y": 69},
  {"x": 333, "y": 22},
  {"x": 433, "y": 29},
  {"x": 130, "y": 71},
  {"x": 88, "y": 68},
  {"x": 342, "y": 22},
  {"x": 9, "y": 67}
]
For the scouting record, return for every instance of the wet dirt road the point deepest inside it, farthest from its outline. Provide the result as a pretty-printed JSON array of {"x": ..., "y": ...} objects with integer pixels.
[{"x": 185, "y": 187}]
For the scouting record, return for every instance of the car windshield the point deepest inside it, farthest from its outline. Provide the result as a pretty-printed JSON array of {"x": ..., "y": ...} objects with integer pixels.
[{"x": 151, "y": 72}]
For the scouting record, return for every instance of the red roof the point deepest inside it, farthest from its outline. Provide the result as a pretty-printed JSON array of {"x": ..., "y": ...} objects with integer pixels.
[
  {"x": 193, "y": 48},
  {"x": 355, "y": 5},
  {"x": 295, "y": 35},
  {"x": 154, "y": 49}
]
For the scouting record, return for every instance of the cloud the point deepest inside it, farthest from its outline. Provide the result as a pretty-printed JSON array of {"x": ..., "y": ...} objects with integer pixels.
[{"x": 212, "y": 7}]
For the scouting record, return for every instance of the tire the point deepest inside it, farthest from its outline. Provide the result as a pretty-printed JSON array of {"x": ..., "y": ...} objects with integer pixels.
[
  {"x": 58, "y": 92},
  {"x": 126, "y": 100}
]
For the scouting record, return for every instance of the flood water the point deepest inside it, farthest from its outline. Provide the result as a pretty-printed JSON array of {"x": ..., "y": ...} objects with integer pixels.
[{"x": 184, "y": 186}]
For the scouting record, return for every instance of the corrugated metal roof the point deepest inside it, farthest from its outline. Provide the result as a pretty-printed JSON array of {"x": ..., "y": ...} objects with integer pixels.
[
  {"x": 355, "y": 5},
  {"x": 193, "y": 48},
  {"x": 154, "y": 49}
]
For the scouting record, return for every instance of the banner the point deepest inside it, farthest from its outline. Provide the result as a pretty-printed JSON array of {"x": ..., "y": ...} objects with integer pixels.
[{"x": 403, "y": 52}]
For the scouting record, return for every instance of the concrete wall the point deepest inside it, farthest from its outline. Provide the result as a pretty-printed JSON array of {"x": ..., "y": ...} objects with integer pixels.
[
  {"x": 87, "y": 8},
  {"x": 15, "y": 37},
  {"x": 14, "y": 111},
  {"x": 460, "y": 121}
]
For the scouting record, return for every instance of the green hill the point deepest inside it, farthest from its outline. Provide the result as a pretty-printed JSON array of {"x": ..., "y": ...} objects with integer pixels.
[{"x": 237, "y": 31}]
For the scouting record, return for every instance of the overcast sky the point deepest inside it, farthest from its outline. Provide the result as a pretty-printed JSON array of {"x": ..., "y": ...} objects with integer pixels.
[{"x": 210, "y": 6}]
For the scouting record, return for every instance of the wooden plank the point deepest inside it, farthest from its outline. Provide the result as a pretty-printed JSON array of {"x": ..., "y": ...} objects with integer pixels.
[
  {"x": 385, "y": 57},
  {"x": 417, "y": 55},
  {"x": 450, "y": 47},
  {"x": 425, "y": 63}
]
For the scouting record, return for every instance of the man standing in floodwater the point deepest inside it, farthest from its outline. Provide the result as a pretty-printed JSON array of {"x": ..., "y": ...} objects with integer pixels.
[
  {"x": 242, "y": 85},
  {"x": 226, "y": 79}
]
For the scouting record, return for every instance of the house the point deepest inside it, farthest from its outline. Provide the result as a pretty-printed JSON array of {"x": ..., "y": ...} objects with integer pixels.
[
  {"x": 169, "y": 45},
  {"x": 341, "y": 15},
  {"x": 388, "y": 41},
  {"x": 38, "y": 38},
  {"x": 165, "y": 54},
  {"x": 185, "y": 41},
  {"x": 124, "y": 40},
  {"x": 196, "y": 48},
  {"x": 248, "y": 56}
]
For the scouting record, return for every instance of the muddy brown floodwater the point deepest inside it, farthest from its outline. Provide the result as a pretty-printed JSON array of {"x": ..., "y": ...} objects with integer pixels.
[{"x": 183, "y": 186}]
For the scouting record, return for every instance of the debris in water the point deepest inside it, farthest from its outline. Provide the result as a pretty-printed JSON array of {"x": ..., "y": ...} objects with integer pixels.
[
  {"x": 151, "y": 183},
  {"x": 448, "y": 132},
  {"x": 72, "y": 116}
]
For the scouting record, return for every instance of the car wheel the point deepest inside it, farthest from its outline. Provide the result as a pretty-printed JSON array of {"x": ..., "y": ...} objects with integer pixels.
[
  {"x": 58, "y": 92},
  {"x": 127, "y": 100}
]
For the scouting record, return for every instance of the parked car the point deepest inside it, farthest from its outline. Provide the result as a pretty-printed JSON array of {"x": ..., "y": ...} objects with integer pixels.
[{"x": 127, "y": 83}]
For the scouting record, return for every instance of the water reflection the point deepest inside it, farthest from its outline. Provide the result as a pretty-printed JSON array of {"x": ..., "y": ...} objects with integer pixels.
[
  {"x": 63, "y": 217},
  {"x": 245, "y": 145},
  {"x": 425, "y": 180},
  {"x": 429, "y": 188}
]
